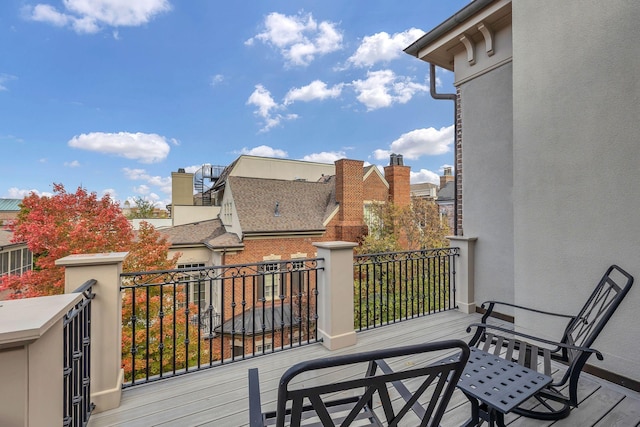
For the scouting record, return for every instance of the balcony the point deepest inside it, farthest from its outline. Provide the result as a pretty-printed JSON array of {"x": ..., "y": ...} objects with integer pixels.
[{"x": 218, "y": 397}]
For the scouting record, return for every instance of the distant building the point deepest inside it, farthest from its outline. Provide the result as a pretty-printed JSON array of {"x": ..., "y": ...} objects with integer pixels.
[
  {"x": 424, "y": 190},
  {"x": 266, "y": 209},
  {"x": 15, "y": 258},
  {"x": 9, "y": 209},
  {"x": 446, "y": 197}
]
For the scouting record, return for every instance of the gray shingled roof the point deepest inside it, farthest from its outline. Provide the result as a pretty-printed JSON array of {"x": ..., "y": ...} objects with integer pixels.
[
  {"x": 301, "y": 205},
  {"x": 211, "y": 233},
  {"x": 447, "y": 191},
  {"x": 251, "y": 321}
]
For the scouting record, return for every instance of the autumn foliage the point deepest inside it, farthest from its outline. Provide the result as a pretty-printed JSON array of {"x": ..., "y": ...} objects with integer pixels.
[
  {"x": 394, "y": 228},
  {"x": 60, "y": 225},
  {"x": 79, "y": 223}
]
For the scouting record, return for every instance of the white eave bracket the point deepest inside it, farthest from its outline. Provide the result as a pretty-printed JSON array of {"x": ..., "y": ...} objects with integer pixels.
[
  {"x": 488, "y": 37},
  {"x": 470, "y": 46}
]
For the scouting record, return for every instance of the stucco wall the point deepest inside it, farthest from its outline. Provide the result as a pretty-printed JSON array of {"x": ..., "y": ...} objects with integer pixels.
[
  {"x": 487, "y": 180},
  {"x": 266, "y": 167},
  {"x": 577, "y": 160}
]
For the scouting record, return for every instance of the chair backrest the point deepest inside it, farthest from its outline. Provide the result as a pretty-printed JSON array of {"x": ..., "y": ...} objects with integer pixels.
[
  {"x": 603, "y": 302},
  {"x": 319, "y": 394}
]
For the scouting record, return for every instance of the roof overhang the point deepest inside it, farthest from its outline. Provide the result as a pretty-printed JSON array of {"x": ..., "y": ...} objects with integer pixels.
[{"x": 470, "y": 25}]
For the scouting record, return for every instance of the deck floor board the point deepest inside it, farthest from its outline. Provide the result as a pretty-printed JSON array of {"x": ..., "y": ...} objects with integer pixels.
[{"x": 218, "y": 396}]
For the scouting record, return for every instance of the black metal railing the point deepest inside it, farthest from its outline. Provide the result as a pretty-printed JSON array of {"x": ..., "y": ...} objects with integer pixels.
[
  {"x": 391, "y": 287},
  {"x": 77, "y": 405},
  {"x": 182, "y": 320}
]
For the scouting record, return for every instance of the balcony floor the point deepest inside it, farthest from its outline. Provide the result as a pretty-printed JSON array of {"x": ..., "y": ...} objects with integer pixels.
[{"x": 218, "y": 396}]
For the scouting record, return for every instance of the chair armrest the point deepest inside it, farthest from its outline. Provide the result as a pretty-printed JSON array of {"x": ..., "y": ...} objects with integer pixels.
[
  {"x": 533, "y": 338},
  {"x": 492, "y": 304},
  {"x": 255, "y": 406}
]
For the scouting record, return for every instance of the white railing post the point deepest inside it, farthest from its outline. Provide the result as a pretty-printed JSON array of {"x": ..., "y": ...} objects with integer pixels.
[
  {"x": 335, "y": 295},
  {"x": 107, "y": 374},
  {"x": 465, "y": 292}
]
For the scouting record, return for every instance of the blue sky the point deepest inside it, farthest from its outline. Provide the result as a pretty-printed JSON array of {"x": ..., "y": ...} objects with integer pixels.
[{"x": 114, "y": 95}]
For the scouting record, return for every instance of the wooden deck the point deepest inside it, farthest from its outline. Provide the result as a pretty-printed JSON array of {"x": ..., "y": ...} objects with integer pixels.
[{"x": 218, "y": 396}]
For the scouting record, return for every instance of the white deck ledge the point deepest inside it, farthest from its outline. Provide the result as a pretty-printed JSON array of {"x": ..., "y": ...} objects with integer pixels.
[{"x": 26, "y": 320}]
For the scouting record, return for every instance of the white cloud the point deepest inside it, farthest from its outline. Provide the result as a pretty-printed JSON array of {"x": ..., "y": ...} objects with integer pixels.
[
  {"x": 144, "y": 147},
  {"x": 73, "y": 164},
  {"x": 215, "y": 80},
  {"x": 142, "y": 189},
  {"x": 164, "y": 183},
  {"x": 381, "y": 47},
  {"x": 152, "y": 198},
  {"x": 315, "y": 90},
  {"x": 113, "y": 194},
  {"x": 89, "y": 16},
  {"x": 267, "y": 108},
  {"x": 264, "y": 151},
  {"x": 424, "y": 175},
  {"x": 420, "y": 142},
  {"x": 383, "y": 88},
  {"x": 192, "y": 169},
  {"x": 299, "y": 37},
  {"x": 4, "y": 79},
  {"x": 48, "y": 13},
  {"x": 325, "y": 156},
  {"x": 262, "y": 99},
  {"x": 18, "y": 193}
]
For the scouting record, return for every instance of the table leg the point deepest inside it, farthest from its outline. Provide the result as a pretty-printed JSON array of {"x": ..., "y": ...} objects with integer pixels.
[{"x": 475, "y": 412}]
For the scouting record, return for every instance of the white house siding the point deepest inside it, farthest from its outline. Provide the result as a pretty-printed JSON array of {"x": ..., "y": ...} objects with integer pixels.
[{"x": 576, "y": 103}]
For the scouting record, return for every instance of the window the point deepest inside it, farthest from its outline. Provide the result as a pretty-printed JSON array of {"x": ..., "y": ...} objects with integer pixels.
[
  {"x": 264, "y": 347},
  {"x": 197, "y": 285},
  {"x": 297, "y": 278},
  {"x": 268, "y": 283},
  {"x": 4, "y": 263},
  {"x": 16, "y": 262}
]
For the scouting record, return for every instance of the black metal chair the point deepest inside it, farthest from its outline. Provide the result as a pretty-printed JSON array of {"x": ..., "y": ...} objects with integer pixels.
[
  {"x": 307, "y": 396},
  {"x": 573, "y": 349}
]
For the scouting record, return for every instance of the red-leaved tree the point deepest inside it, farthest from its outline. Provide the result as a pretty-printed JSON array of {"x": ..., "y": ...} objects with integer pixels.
[{"x": 59, "y": 225}]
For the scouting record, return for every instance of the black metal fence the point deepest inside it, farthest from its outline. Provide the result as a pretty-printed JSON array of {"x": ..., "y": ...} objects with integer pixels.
[
  {"x": 182, "y": 320},
  {"x": 391, "y": 287},
  {"x": 77, "y": 404}
]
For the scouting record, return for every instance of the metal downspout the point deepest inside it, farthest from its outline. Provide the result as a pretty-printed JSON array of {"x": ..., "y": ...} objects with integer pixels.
[{"x": 452, "y": 97}]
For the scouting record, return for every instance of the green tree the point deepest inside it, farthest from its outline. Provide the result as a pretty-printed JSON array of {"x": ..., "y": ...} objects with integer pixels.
[
  {"x": 394, "y": 228},
  {"x": 143, "y": 209}
]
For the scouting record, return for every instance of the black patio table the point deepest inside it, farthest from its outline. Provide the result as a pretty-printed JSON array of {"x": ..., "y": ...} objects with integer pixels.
[{"x": 495, "y": 386}]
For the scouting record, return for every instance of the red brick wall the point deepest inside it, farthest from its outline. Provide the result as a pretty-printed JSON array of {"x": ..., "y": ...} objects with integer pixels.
[
  {"x": 458, "y": 160},
  {"x": 375, "y": 188},
  {"x": 350, "y": 190},
  {"x": 399, "y": 178}
]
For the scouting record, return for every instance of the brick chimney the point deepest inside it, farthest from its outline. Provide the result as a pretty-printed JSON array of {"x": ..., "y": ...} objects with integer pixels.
[
  {"x": 398, "y": 176},
  {"x": 447, "y": 177},
  {"x": 349, "y": 194}
]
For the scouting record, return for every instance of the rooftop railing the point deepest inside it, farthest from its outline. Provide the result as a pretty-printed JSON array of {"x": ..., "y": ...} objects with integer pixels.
[
  {"x": 182, "y": 320},
  {"x": 395, "y": 286},
  {"x": 164, "y": 323},
  {"x": 76, "y": 333}
]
